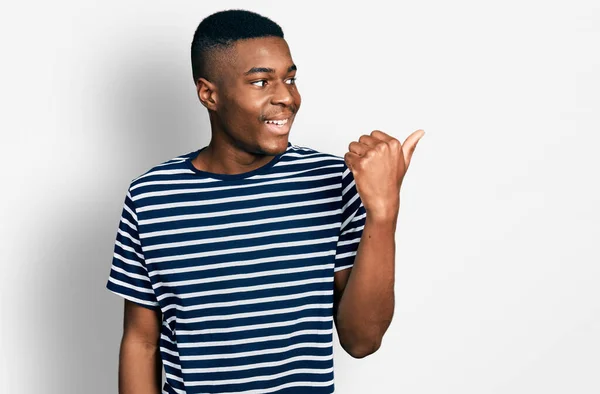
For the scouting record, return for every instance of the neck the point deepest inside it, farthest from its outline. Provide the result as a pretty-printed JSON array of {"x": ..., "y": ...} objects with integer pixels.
[{"x": 225, "y": 155}]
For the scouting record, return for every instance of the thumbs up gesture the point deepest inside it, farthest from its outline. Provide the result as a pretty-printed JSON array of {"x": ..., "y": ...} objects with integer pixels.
[{"x": 379, "y": 163}]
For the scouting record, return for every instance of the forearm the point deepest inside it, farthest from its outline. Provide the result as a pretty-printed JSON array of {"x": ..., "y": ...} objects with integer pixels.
[
  {"x": 140, "y": 367},
  {"x": 366, "y": 307}
]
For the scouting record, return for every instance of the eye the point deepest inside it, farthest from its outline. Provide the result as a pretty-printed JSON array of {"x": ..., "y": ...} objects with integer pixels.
[
  {"x": 291, "y": 81},
  {"x": 263, "y": 81}
]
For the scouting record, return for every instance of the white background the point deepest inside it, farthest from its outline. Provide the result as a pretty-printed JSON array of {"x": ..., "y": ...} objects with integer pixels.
[{"x": 498, "y": 264}]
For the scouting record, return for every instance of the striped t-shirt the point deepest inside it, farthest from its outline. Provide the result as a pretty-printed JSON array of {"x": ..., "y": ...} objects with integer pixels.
[{"x": 241, "y": 267}]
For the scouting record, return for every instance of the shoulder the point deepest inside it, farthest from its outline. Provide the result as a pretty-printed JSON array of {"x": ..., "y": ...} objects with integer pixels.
[
  {"x": 304, "y": 152},
  {"x": 308, "y": 157},
  {"x": 163, "y": 172}
]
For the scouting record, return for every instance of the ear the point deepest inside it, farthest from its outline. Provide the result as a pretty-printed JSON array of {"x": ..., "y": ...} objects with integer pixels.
[{"x": 207, "y": 93}]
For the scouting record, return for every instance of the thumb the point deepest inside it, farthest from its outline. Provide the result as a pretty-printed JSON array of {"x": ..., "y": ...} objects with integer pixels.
[{"x": 409, "y": 145}]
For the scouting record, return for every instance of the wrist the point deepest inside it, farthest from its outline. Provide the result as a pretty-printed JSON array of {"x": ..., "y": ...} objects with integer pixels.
[
  {"x": 385, "y": 219},
  {"x": 387, "y": 213}
]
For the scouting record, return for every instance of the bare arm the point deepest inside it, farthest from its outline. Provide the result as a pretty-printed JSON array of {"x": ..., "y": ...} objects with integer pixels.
[
  {"x": 140, "y": 365},
  {"x": 364, "y": 294}
]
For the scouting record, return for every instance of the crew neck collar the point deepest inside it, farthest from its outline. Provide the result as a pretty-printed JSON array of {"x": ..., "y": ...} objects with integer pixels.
[{"x": 243, "y": 175}]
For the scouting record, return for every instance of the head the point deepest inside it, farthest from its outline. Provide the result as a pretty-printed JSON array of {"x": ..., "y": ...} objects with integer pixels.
[{"x": 245, "y": 77}]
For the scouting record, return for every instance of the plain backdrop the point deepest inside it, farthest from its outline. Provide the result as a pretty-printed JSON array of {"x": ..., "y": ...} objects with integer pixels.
[{"x": 497, "y": 264}]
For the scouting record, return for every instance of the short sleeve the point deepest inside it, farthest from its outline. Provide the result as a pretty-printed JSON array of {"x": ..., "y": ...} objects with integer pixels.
[
  {"x": 353, "y": 222},
  {"x": 128, "y": 274}
]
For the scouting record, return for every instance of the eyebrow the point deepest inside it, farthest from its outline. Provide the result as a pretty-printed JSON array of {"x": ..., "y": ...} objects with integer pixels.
[{"x": 256, "y": 70}]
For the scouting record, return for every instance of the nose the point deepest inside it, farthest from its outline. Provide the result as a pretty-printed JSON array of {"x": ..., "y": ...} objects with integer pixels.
[{"x": 282, "y": 95}]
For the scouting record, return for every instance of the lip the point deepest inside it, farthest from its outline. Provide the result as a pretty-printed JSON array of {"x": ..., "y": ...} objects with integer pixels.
[
  {"x": 281, "y": 117},
  {"x": 279, "y": 130}
]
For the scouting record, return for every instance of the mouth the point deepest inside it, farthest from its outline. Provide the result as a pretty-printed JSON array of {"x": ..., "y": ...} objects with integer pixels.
[{"x": 279, "y": 126}]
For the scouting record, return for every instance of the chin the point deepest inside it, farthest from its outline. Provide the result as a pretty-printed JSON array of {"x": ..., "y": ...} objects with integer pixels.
[{"x": 275, "y": 145}]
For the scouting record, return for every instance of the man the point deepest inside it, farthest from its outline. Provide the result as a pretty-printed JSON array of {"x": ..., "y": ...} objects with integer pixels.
[{"x": 236, "y": 260}]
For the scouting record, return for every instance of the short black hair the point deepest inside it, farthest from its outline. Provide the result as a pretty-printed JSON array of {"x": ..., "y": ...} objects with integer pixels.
[{"x": 221, "y": 29}]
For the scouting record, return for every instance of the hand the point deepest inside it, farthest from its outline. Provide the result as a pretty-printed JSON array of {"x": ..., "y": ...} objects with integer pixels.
[{"x": 379, "y": 163}]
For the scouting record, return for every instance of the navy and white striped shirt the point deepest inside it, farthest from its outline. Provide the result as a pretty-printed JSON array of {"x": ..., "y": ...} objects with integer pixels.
[{"x": 241, "y": 267}]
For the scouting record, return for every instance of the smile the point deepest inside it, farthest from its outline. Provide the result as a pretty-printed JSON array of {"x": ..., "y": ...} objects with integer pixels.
[{"x": 277, "y": 122}]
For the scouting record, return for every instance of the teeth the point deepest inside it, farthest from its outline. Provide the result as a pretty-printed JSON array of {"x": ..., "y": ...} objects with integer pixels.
[{"x": 277, "y": 122}]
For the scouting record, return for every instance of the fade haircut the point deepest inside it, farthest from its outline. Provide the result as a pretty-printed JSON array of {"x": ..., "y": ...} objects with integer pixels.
[{"x": 220, "y": 30}]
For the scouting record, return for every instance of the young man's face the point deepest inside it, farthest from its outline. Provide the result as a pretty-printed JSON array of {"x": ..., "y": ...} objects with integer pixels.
[{"x": 257, "y": 95}]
